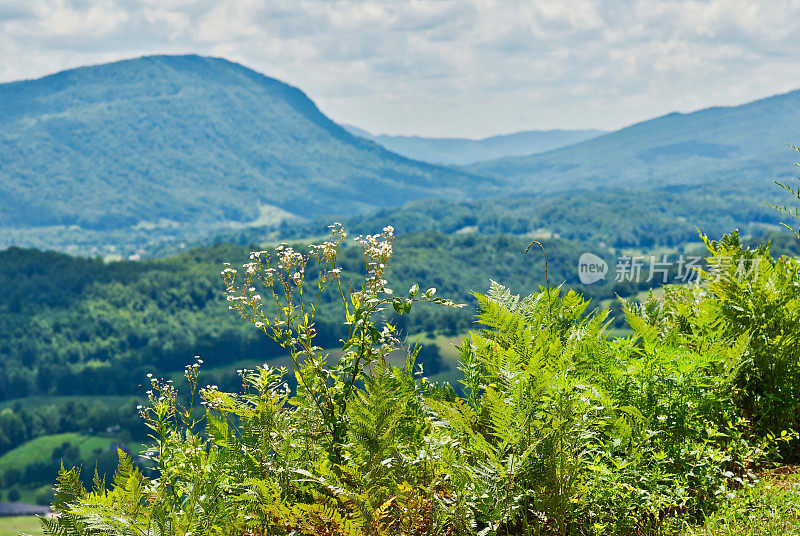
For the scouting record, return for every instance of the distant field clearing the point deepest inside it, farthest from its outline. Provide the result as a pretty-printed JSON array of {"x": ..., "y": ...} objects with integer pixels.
[{"x": 11, "y": 526}]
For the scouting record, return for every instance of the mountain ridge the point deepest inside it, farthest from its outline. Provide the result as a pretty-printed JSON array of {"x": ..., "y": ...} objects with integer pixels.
[
  {"x": 746, "y": 142},
  {"x": 189, "y": 138},
  {"x": 465, "y": 151}
]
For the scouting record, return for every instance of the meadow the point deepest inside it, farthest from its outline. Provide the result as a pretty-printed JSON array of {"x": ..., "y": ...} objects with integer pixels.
[{"x": 12, "y": 526}]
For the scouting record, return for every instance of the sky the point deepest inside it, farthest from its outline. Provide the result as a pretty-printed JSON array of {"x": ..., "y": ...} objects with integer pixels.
[{"x": 463, "y": 68}]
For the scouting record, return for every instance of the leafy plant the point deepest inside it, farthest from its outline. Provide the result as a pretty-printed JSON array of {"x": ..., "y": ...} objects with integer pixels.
[
  {"x": 558, "y": 430},
  {"x": 793, "y": 213}
]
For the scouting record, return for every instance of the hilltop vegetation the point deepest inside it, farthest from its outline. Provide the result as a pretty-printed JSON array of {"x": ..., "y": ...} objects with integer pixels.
[
  {"x": 93, "y": 319},
  {"x": 614, "y": 218},
  {"x": 558, "y": 429},
  {"x": 71, "y": 324}
]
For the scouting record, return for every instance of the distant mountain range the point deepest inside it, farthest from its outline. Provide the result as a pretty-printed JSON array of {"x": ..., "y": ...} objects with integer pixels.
[
  {"x": 190, "y": 139},
  {"x": 190, "y": 145},
  {"x": 742, "y": 146},
  {"x": 463, "y": 151}
]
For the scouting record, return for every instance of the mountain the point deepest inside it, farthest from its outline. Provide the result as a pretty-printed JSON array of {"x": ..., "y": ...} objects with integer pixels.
[
  {"x": 192, "y": 140},
  {"x": 739, "y": 145},
  {"x": 462, "y": 151}
]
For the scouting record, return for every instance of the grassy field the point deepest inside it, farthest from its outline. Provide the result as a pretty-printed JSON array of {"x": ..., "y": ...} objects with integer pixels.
[
  {"x": 771, "y": 508},
  {"x": 11, "y": 526},
  {"x": 41, "y": 449},
  {"x": 33, "y": 402}
]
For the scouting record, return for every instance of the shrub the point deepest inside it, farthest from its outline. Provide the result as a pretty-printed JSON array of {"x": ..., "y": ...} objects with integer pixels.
[
  {"x": 746, "y": 300},
  {"x": 559, "y": 430}
]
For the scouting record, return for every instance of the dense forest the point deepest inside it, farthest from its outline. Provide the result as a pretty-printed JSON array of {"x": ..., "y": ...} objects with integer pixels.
[
  {"x": 70, "y": 325},
  {"x": 615, "y": 218},
  {"x": 92, "y": 318}
]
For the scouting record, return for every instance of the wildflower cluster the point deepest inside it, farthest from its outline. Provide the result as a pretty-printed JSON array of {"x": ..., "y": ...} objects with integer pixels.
[
  {"x": 289, "y": 319},
  {"x": 378, "y": 250},
  {"x": 162, "y": 396},
  {"x": 327, "y": 252}
]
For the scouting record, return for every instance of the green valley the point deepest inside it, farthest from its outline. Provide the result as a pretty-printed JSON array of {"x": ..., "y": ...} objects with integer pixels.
[{"x": 494, "y": 361}]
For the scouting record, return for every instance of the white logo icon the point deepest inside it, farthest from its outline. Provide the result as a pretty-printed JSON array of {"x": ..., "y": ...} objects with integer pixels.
[{"x": 591, "y": 268}]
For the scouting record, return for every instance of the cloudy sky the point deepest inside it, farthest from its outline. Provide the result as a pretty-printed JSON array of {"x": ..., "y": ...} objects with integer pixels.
[{"x": 445, "y": 68}]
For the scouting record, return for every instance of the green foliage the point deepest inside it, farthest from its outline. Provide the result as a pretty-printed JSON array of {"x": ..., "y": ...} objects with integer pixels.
[
  {"x": 94, "y": 318},
  {"x": 560, "y": 430},
  {"x": 749, "y": 300},
  {"x": 793, "y": 213},
  {"x": 666, "y": 216},
  {"x": 770, "y": 508},
  {"x": 36, "y": 463},
  {"x": 333, "y": 458}
]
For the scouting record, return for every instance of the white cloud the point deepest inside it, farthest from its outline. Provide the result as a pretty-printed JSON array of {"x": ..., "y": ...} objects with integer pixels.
[{"x": 439, "y": 67}]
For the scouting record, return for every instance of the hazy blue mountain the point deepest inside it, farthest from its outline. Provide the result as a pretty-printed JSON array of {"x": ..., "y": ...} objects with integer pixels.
[
  {"x": 736, "y": 144},
  {"x": 189, "y": 139},
  {"x": 463, "y": 151}
]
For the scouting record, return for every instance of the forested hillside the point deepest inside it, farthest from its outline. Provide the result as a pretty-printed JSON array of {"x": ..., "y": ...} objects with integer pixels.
[
  {"x": 190, "y": 140},
  {"x": 608, "y": 217},
  {"x": 739, "y": 144},
  {"x": 121, "y": 158},
  {"x": 71, "y": 324}
]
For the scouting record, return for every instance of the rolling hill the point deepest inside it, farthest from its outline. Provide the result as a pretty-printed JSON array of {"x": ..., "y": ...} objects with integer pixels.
[
  {"x": 189, "y": 139},
  {"x": 740, "y": 145},
  {"x": 115, "y": 158},
  {"x": 462, "y": 151},
  {"x": 615, "y": 217}
]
